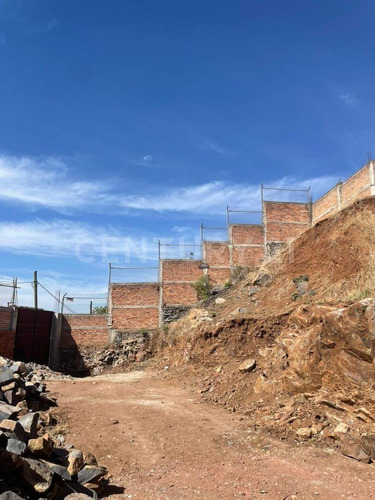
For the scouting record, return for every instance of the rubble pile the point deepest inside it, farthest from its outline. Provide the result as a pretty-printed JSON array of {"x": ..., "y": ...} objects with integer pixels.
[
  {"x": 32, "y": 464},
  {"x": 118, "y": 355}
]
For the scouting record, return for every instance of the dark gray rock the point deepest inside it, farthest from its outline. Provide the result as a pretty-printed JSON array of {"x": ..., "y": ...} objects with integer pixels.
[
  {"x": 10, "y": 495},
  {"x": 19, "y": 367},
  {"x": 16, "y": 446},
  {"x": 90, "y": 474},
  {"x": 7, "y": 411},
  {"x": 75, "y": 491},
  {"x": 60, "y": 470},
  {"x": 29, "y": 423},
  {"x": 6, "y": 376},
  {"x": 263, "y": 279},
  {"x": 173, "y": 313},
  {"x": 14, "y": 430}
]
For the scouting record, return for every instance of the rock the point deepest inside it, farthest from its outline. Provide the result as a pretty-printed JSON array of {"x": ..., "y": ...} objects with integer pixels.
[
  {"x": 248, "y": 365},
  {"x": 10, "y": 495},
  {"x": 263, "y": 279},
  {"x": 19, "y": 367},
  {"x": 13, "y": 429},
  {"x": 239, "y": 310},
  {"x": 7, "y": 411},
  {"x": 8, "y": 387},
  {"x": 16, "y": 446},
  {"x": 30, "y": 423},
  {"x": 41, "y": 445},
  {"x": 37, "y": 474},
  {"x": 60, "y": 470},
  {"x": 220, "y": 300},
  {"x": 89, "y": 459},
  {"x": 253, "y": 290},
  {"x": 341, "y": 428},
  {"x": 353, "y": 449},
  {"x": 77, "y": 491},
  {"x": 6, "y": 376},
  {"x": 77, "y": 496},
  {"x": 90, "y": 474},
  {"x": 75, "y": 460},
  {"x": 304, "y": 432}
]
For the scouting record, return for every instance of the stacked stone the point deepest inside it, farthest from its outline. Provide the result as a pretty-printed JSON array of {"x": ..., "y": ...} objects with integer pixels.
[{"x": 32, "y": 464}]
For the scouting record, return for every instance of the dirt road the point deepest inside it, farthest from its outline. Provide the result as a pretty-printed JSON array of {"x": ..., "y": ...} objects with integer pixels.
[{"x": 161, "y": 441}]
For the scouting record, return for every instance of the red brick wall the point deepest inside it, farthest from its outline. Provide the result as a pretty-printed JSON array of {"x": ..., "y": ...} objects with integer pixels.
[
  {"x": 219, "y": 276},
  {"x": 7, "y": 335},
  {"x": 286, "y": 212},
  {"x": 325, "y": 206},
  {"x": 179, "y": 293},
  {"x": 216, "y": 253},
  {"x": 135, "y": 306},
  {"x": 180, "y": 270},
  {"x": 135, "y": 294},
  {"x": 135, "y": 318},
  {"x": 246, "y": 234},
  {"x": 247, "y": 256},
  {"x": 84, "y": 330},
  {"x": 284, "y": 231},
  {"x": 284, "y": 220},
  {"x": 353, "y": 188}
]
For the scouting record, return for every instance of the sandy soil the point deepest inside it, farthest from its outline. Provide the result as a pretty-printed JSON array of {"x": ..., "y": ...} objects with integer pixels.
[{"x": 159, "y": 440}]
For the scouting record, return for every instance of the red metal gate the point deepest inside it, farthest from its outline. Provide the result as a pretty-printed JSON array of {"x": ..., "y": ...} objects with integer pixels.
[{"x": 33, "y": 335}]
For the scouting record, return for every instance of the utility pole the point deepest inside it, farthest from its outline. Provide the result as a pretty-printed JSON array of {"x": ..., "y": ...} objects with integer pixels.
[{"x": 36, "y": 289}]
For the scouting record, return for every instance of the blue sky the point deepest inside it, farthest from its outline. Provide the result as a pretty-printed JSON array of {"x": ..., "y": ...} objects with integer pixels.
[{"x": 123, "y": 122}]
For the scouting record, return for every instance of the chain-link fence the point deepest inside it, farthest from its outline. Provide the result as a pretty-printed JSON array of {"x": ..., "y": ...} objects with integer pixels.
[{"x": 8, "y": 293}]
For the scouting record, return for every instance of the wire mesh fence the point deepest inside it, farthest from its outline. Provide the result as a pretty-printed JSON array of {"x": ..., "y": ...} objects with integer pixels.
[
  {"x": 286, "y": 194},
  {"x": 214, "y": 233},
  {"x": 8, "y": 293},
  {"x": 238, "y": 215},
  {"x": 118, "y": 274},
  {"x": 187, "y": 251}
]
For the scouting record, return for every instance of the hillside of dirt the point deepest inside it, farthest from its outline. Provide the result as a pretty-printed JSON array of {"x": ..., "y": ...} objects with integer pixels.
[{"x": 292, "y": 346}]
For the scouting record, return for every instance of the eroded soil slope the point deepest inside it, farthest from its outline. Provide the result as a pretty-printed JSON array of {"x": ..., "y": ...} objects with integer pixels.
[{"x": 293, "y": 346}]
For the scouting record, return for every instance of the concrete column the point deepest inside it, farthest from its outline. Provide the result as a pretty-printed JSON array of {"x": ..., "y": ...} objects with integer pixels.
[
  {"x": 264, "y": 222},
  {"x": 54, "y": 347},
  {"x": 13, "y": 321},
  {"x": 230, "y": 245},
  {"x": 372, "y": 178},
  {"x": 161, "y": 293}
]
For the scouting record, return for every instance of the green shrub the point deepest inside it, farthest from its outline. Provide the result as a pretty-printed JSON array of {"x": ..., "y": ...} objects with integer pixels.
[{"x": 203, "y": 287}]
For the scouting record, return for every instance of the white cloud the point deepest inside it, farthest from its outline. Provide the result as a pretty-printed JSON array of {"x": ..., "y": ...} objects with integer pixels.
[
  {"x": 49, "y": 183},
  {"x": 45, "y": 183},
  {"x": 212, "y": 198},
  {"x": 65, "y": 238},
  {"x": 349, "y": 99},
  {"x": 215, "y": 147},
  {"x": 148, "y": 158}
]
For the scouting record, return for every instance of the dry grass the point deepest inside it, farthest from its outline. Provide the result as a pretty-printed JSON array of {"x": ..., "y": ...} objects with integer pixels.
[{"x": 362, "y": 285}]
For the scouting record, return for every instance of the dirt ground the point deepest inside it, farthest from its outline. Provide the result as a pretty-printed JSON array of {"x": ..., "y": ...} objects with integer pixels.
[{"x": 159, "y": 440}]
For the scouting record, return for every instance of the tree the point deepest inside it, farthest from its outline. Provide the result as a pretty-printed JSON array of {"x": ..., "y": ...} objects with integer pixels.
[{"x": 99, "y": 310}]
